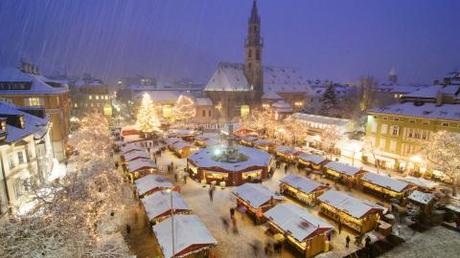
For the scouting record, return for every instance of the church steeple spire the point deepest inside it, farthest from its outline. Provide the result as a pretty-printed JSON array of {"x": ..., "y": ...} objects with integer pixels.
[{"x": 253, "y": 68}]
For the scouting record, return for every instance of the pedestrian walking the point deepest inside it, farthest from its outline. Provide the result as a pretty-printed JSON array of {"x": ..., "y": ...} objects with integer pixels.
[
  {"x": 176, "y": 177},
  {"x": 211, "y": 194},
  {"x": 185, "y": 179},
  {"x": 232, "y": 212},
  {"x": 347, "y": 240},
  {"x": 128, "y": 228},
  {"x": 225, "y": 224},
  {"x": 285, "y": 168}
]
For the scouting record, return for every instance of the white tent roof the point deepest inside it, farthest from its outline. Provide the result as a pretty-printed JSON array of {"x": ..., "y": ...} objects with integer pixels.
[
  {"x": 159, "y": 203},
  {"x": 353, "y": 206},
  {"x": 385, "y": 181},
  {"x": 151, "y": 182},
  {"x": 342, "y": 168},
  {"x": 255, "y": 194},
  {"x": 316, "y": 159},
  {"x": 136, "y": 154},
  {"x": 188, "y": 231},
  {"x": 135, "y": 165},
  {"x": 295, "y": 220},
  {"x": 301, "y": 183}
]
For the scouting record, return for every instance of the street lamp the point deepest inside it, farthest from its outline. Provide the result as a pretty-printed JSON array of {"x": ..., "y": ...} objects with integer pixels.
[{"x": 170, "y": 191}]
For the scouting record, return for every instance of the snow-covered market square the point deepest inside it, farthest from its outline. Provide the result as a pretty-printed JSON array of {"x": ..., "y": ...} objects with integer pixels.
[{"x": 229, "y": 129}]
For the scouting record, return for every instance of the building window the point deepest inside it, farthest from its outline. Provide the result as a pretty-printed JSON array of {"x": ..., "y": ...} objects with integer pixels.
[
  {"x": 249, "y": 53},
  {"x": 257, "y": 54},
  {"x": 384, "y": 129},
  {"x": 395, "y": 130},
  {"x": 374, "y": 127},
  {"x": 203, "y": 113},
  {"x": 75, "y": 105},
  {"x": 6, "y": 100},
  {"x": 33, "y": 102},
  {"x": 90, "y": 97},
  {"x": 392, "y": 146},
  {"x": 97, "y": 97},
  {"x": 21, "y": 159},
  {"x": 209, "y": 113},
  {"x": 11, "y": 161}
]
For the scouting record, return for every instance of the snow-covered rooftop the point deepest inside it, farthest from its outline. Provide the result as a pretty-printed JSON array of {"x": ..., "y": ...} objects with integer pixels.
[
  {"x": 130, "y": 147},
  {"x": 33, "y": 125},
  {"x": 427, "y": 110},
  {"x": 255, "y": 194},
  {"x": 342, "y": 168},
  {"x": 296, "y": 221},
  {"x": 160, "y": 96},
  {"x": 385, "y": 181},
  {"x": 418, "y": 181},
  {"x": 433, "y": 91},
  {"x": 188, "y": 231},
  {"x": 355, "y": 207},
  {"x": 136, "y": 154},
  {"x": 38, "y": 85},
  {"x": 151, "y": 182},
  {"x": 288, "y": 150},
  {"x": 421, "y": 197},
  {"x": 137, "y": 164},
  {"x": 263, "y": 142},
  {"x": 255, "y": 158},
  {"x": 326, "y": 120},
  {"x": 271, "y": 95},
  {"x": 159, "y": 203},
  {"x": 203, "y": 101},
  {"x": 282, "y": 106},
  {"x": 172, "y": 140},
  {"x": 228, "y": 77},
  {"x": 315, "y": 159},
  {"x": 301, "y": 183},
  {"x": 181, "y": 145}
]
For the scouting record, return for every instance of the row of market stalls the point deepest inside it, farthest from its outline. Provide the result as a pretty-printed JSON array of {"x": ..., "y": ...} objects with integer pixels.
[
  {"x": 178, "y": 232},
  {"x": 136, "y": 161}
]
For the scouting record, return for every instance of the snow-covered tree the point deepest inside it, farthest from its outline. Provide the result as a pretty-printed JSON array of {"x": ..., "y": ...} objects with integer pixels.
[
  {"x": 79, "y": 215},
  {"x": 147, "y": 117},
  {"x": 329, "y": 100},
  {"x": 329, "y": 137},
  {"x": 442, "y": 153},
  {"x": 184, "y": 108}
]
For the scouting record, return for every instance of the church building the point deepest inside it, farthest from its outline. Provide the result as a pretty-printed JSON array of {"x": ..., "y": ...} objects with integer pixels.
[{"x": 237, "y": 88}]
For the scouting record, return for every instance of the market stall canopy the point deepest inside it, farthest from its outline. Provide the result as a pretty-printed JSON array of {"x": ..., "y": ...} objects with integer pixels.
[
  {"x": 355, "y": 207},
  {"x": 296, "y": 221},
  {"x": 151, "y": 182},
  {"x": 342, "y": 168},
  {"x": 137, "y": 154},
  {"x": 255, "y": 195},
  {"x": 139, "y": 164},
  {"x": 315, "y": 159},
  {"x": 421, "y": 197},
  {"x": 420, "y": 182},
  {"x": 302, "y": 184},
  {"x": 386, "y": 182},
  {"x": 130, "y": 147},
  {"x": 159, "y": 204},
  {"x": 190, "y": 234}
]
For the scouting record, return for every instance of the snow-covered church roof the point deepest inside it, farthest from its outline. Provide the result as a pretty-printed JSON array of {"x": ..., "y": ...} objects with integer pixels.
[
  {"x": 231, "y": 77},
  {"x": 228, "y": 77}
]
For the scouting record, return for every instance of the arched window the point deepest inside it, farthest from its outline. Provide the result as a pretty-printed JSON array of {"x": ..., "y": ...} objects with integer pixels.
[
  {"x": 249, "y": 53},
  {"x": 257, "y": 54}
]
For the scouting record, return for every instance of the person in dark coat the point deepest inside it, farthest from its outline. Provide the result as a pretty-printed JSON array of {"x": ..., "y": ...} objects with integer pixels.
[{"x": 347, "y": 240}]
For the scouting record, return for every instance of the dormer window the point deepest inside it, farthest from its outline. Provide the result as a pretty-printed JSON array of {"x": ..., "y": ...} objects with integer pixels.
[
  {"x": 33, "y": 102},
  {"x": 21, "y": 122}
]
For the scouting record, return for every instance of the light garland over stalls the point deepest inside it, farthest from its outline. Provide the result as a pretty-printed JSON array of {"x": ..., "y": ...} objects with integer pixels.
[
  {"x": 147, "y": 117},
  {"x": 184, "y": 108}
]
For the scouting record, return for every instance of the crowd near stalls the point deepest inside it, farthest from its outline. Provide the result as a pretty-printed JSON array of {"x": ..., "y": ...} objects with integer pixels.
[
  {"x": 301, "y": 188},
  {"x": 343, "y": 173},
  {"x": 308, "y": 234},
  {"x": 385, "y": 186},
  {"x": 362, "y": 216},
  {"x": 159, "y": 205},
  {"x": 191, "y": 237},
  {"x": 206, "y": 165},
  {"x": 255, "y": 199},
  {"x": 150, "y": 184},
  {"x": 287, "y": 153},
  {"x": 164, "y": 207},
  {"x": 311, "y": 162}
]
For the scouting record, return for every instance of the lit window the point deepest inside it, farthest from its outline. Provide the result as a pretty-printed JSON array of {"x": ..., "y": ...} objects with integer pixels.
[
  {"x": 21, "y": 159},
  {"x": 33, "y": 102},
  {"x": 395, "y": 131},
  {"x": 90, "y": 97},
  {"x": 97, "y": 97}
]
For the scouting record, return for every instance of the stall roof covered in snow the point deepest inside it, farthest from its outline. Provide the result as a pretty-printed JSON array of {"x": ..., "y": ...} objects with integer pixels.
[
  {"x": 172, "y": 140},
  {"x": 263, "y": 142},
  {"x": 385, "y": 181},
  {"x": 301, "y": 183},
  {"x": 426, "y": 110},
  {"x": 288, "y": 150},
  {"x": 137, "y": 164},
  {"x": 296, "y": 221},
  {"x": 130, "y": 147},
  {"x": 204, "y": 158},
  {"x": 151, "y": 182},
  {"x": 421, "y": 197},
  {"x": 315, "y": 159},
  {"x": 355, "y": 207},
  {"x": 136, "y": 154},
  {"x": 342, "y": 168},
  {"x": 255, "y": 195},
  {"x": 181, "y": 145},
  {"x": 326, "y": 120},
  {"x": 159, "y": 203},
  {"x": 420, "y": 182},
  {"x": 189, "y": 231}
]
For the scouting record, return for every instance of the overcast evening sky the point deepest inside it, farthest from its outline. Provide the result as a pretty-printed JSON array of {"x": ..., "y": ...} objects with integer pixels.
[{"x": 339, "y": 40}]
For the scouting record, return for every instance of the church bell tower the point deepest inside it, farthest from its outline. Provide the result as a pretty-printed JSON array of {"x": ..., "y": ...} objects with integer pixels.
[{"x": 253, "y": 68}]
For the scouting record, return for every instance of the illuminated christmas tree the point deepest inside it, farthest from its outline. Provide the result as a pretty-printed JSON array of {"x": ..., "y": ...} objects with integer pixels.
[
  {"x": 147, "y": 119},
  {"x": 184, "y": 108}
]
